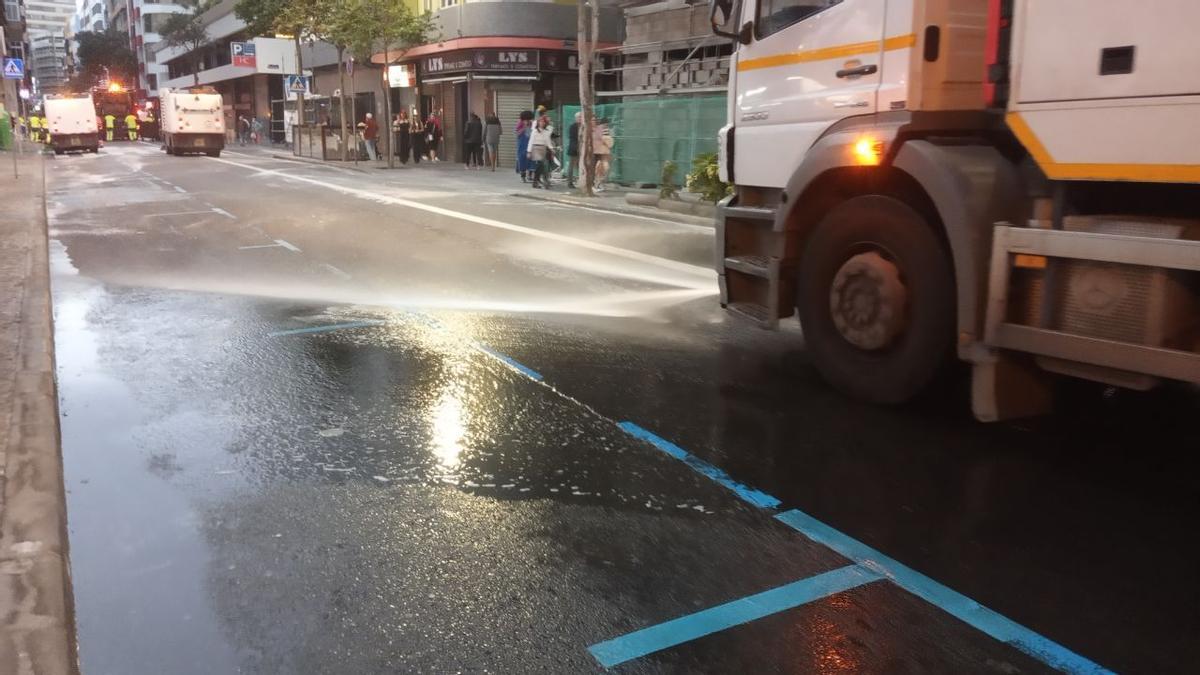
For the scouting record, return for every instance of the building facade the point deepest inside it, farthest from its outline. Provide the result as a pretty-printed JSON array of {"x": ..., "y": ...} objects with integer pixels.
[
  {"x": 504, "y": 57},
  {"x": 91, "y": 16},
  {"x": 48, "y": 57},
  {"x": 253, "y": 87},
  {"x": 146, "y": 20},
  {"x": 12, "y": 30},
  {"x": 669, "y": 48}
]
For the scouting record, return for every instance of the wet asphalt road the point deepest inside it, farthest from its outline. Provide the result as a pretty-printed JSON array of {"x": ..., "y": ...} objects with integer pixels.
[{"x": 442, "y": 485}]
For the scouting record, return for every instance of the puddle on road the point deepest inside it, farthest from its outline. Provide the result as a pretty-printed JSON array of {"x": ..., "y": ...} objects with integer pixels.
[{"x": 133, "y": 535}]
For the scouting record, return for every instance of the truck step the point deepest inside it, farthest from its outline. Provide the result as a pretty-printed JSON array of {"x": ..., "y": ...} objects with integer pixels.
[
  {"x": 755, "y": 265},
  {"x": 756, "y": 213},
  {"x": 755, "y": 313}
]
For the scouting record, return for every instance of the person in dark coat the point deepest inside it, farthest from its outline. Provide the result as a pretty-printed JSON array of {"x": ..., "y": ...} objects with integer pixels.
[
  {"x": 492, "y": 130},
  {"x": 473, "y": 142},
  {"x": 573, "y": 149},
  {"x": 433, "y": 136},
  {"x": 400, "y": 132},
  {"x": 416, "y": 134}
]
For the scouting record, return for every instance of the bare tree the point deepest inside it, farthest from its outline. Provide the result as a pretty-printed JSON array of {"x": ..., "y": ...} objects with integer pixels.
[
  {"x": 188, "y": 32},
  {"x": 589, "y": 27}
]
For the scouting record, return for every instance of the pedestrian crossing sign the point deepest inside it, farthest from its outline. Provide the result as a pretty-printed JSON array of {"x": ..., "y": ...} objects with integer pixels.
[
  {"x": 297, "y": 84},
  {"x": 14, "y": 69}
]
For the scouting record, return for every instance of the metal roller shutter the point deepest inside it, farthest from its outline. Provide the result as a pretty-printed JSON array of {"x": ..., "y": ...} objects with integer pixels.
[{"x": 509, "y": 105}]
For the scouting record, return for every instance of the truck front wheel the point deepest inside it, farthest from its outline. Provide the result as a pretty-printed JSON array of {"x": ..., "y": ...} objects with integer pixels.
[{"x": 876, "y": 299}]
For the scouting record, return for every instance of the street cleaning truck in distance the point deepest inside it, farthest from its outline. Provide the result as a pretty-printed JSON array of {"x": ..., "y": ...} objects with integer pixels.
[
  {"x": 71, "y": 121},
  {"x": 1015, "y": 183},
  {"x": 193, "y": 121}
]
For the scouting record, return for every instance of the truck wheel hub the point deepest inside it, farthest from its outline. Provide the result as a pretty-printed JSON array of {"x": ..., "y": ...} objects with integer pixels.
[{"x": 868, "y": 301}]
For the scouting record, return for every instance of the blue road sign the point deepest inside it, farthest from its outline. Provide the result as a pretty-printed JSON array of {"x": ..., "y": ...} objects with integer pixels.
[
  {"x": 297, "y": 84},
  {"x": 14, "y": 69}
]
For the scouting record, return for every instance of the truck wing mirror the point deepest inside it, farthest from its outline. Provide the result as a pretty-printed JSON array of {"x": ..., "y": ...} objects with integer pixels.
[{"x": 720, "y": 13}]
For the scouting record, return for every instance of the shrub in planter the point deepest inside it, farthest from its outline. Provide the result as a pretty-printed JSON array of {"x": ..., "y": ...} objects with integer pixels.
[
  {"x": 666, "y": 182},
  {"x": 705, "y": 180}
]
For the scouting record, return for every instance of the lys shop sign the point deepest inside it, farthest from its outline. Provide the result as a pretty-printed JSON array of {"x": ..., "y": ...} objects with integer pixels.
[{"x": 487, "y": 60}]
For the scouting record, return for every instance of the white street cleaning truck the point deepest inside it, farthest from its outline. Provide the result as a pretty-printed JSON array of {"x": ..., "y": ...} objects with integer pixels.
[
  {"x": 1012, "y": 182},
  {"x": 192, "y": 121},
  {"x": 71, "y": 121}
]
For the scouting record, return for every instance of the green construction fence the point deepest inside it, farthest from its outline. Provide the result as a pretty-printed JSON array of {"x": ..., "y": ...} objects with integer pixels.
[{"x": 648, "y": 132}]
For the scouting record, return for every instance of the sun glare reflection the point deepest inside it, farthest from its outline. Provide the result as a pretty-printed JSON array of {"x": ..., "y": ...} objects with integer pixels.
[{"x": 449, "y": 426}]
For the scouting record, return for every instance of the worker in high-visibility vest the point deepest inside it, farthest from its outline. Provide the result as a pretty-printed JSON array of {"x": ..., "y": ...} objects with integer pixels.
[
  {"x": 35, "y": 128},
  {"x": 110, "y": 121},
  {"x": 131, "y": 126}
]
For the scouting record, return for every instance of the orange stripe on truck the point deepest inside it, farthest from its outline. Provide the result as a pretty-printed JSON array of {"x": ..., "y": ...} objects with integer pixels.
[{"x": 827, "y": 53}]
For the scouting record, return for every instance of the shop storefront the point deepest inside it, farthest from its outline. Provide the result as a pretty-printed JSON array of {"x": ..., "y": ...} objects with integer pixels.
[{"x": 493, "y": 80}]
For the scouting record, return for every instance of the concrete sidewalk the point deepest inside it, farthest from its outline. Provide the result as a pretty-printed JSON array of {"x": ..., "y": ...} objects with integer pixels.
[
  {"x": 37, "y": 630},
  {"x": 613, "y": 199}
]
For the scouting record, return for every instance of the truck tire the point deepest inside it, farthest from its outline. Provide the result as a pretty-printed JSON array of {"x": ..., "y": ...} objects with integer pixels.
[
  {"x": 214, "y": 153},
  {"x": 876, "y": 299}
]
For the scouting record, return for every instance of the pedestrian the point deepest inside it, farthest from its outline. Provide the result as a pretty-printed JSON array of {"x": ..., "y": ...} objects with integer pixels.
[
  {"x": 110, "y": 122},
  {"x": 573, "y": 149},
  {"x": 35, "y": 128},
  {"x": 131, "y": 127},
  {"x": 416, "y": 134},
  {"x": 243, "y": 130},
  {"x": 433, "y": 136},
  {"x": 492, "y": 130},
  {"x": 473, "y": 142},
  {"x": 400, "y": 128},
  {"x": 523, "y": 130},
  {"x": 256, "y": 130},
  {"x": 541, "y": 149},
  {"x": 370, "y": 130},
  {"x": 602, "y": 147}
]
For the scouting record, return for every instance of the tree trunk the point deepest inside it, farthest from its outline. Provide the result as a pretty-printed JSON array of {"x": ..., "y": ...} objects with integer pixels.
[
  {"x": 585, "y": 48},
  {"x": 387, "y": 109},
  {"x": 342, "y": 99},
  {"x": 196, "y": 70},
  {"x": 354, "y": 112},
  {"x": 300, "y": 72}
]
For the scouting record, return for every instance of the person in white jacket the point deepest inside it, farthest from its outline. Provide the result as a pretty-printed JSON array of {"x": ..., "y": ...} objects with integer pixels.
[{"x": 541, "y": 144}]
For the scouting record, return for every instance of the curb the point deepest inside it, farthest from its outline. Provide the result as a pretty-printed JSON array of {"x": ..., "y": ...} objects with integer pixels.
[
  {"x": 37, "y": 635},
  {"x": 646, "y": 212},
  {"x": 317, "y": 162}
]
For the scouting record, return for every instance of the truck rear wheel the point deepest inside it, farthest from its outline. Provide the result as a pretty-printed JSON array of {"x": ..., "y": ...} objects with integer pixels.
[{"x": 876, "y": 299}]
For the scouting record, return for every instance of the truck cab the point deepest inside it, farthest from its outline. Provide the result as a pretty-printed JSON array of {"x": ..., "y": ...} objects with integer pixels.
[{"x": 919, "y": 180}]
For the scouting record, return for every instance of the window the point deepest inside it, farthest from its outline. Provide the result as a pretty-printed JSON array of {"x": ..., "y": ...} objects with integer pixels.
[
  {"x": 775, "y": 15},
  {"x": 448, "y": 3}
]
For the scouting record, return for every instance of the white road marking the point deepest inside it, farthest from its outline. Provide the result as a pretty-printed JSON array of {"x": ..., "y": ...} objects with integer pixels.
[
  {"x": 288, "y": 246},
  {"x": 174, "y": 213},
  {"x": 704, "y": 272},
  {"x": 247, "y": 248},
  {"x": 335, "y": 270},
  {"x": 179, "y": 189},
  {"x": 224, "y": 213}
]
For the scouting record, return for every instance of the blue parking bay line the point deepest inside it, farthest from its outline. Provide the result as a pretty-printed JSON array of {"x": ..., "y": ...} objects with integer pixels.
[
  {"x": 511, "y": 363},
  {"x": 325, "y": 329},
  {"x": 960, "y": 606},
  {"x": 755, "y": 497},
  {"x": 716, "y": 619}
]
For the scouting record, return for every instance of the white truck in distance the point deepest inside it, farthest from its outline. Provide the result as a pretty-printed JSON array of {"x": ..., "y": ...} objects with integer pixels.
[
  {"x": 1012, "y": 182},
  {"x": 71, "y": 120},
  {"x": 192, "y": 121}
]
